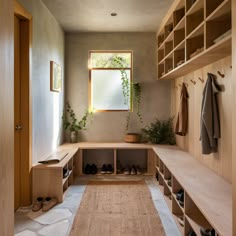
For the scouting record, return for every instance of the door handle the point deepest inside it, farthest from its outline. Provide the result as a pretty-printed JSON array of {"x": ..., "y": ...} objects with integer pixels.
[{"x": 18, "y": 127}]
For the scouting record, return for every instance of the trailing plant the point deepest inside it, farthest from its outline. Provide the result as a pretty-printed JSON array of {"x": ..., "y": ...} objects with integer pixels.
[
  {"x": 160, "y": 131},
  {"x": 70, "y": 121}
]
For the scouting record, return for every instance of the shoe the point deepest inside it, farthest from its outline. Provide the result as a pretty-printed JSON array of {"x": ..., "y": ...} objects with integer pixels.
[
  {"x": 109, "y": 169},
  {"x": 94, "y": 169},
  {"x": 48, "y": 203},
  {"x": 207, "y": 232},
  {"x": 104, "y": 169},
  {"x": 180, "y": 195},
  {"x": 192, "y": 233},
  {"x": 138, "y": 170},
  {"x": 65, "y": 172},
  {"x": 133, "y": 171},
  {"x": 181, "y": 220},
  {"x": 127, "y": 171},
  {"x": 37, "y": 205},
  {"x": 181, "y": 203},
  {"x": 87, "y": 169}
]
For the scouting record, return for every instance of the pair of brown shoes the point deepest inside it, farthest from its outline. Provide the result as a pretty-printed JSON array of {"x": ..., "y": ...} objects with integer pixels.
[{"x": 44, "y": 203}]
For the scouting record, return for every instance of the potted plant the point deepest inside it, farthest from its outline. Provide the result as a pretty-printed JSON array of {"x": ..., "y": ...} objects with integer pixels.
[
  {"x": 160, "y": 132},
  {"x": 71, "y": 123}
]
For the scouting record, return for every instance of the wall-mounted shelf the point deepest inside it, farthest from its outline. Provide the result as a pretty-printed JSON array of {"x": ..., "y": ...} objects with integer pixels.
[{"x": 201, "y": 35}]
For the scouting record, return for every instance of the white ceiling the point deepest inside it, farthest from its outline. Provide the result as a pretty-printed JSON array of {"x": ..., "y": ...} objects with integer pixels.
[{"x": 94, "y": 15}]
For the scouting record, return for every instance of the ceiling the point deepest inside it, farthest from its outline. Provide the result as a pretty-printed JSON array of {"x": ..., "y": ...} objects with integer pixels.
[{"x": 94, "y": 15}]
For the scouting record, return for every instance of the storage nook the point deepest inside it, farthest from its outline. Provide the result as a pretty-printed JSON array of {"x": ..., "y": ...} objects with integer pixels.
[{"x": 197, "y": 33}]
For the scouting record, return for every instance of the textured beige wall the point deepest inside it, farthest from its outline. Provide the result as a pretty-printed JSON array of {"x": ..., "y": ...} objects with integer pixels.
[
  {"x": 6, "y": 118},
  {"x": 47, "y": 106},
  {"x": 110, "y": 126},
  {"x": 220, "y": 162}
]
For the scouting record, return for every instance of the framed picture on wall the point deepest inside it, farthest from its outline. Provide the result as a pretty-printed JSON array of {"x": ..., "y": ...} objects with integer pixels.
[{"x": 55, "y": 77}]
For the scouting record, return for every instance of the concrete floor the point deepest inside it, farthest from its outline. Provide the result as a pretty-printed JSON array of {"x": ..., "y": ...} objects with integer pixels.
[{"x": 58, "y": 220}]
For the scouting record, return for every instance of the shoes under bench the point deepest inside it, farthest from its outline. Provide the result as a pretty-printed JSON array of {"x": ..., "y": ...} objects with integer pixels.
[{"x": 44, "y": 203}]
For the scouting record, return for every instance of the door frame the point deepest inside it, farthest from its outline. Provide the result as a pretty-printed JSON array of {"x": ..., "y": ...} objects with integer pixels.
[{"x": 26, "y": 121}]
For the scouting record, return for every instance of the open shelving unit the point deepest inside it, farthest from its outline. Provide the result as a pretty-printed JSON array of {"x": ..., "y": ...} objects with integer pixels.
[
  {"x": 207, "y": 196},
  {"x": 196, "y": 33}
]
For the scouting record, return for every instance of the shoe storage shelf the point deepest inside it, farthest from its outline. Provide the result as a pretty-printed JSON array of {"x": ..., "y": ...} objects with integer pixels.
[
  {"x": 194, "y": 33},
  {"x": 199, "y": 199},
  {"x": 118, "y": 156},
  {"x": 52, "y": 180}
]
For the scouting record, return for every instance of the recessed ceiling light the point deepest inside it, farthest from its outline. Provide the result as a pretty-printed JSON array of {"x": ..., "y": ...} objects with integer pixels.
[{"x": 113, "y": 14}]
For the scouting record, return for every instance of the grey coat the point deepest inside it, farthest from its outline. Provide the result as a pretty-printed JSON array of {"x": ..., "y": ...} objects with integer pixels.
[{"x": 210, "y": 123}]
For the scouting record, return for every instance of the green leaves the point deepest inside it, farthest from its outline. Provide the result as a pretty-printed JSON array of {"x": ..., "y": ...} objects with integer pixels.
[
  {"x": 71, "y": 122},
  {"x": 161, "y": 132}
]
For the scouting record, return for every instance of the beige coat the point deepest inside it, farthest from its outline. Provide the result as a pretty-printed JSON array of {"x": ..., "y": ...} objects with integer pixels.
[{"x": 182, "y": 118}]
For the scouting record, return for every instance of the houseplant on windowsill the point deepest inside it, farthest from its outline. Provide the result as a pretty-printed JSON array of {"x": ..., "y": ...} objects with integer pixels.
[{"x": 71, "y": 123}]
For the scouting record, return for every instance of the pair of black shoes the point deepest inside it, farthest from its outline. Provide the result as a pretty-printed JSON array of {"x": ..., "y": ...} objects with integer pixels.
[
  {"x": 180, "y": 197},
  {"x": 106, "y": 169},
  {"x": 91, "y": 169}
]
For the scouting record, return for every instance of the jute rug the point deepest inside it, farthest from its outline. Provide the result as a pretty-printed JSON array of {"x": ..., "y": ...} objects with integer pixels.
[{"x": 113, "y": 208}]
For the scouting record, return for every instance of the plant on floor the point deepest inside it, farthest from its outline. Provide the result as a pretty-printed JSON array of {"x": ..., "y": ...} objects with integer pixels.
[
  {"x": 160, "y": 131},
  {"x": 71, "y": 123}
]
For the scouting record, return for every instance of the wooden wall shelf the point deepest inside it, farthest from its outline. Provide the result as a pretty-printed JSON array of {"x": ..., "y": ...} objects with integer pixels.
[{"x": 201, "y": 28}]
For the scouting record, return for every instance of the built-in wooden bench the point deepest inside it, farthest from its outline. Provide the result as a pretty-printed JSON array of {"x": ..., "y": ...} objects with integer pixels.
[{"x": 208, "y": 197}]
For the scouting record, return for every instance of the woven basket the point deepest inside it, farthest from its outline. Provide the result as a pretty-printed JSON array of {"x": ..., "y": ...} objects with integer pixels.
[{"x": 132, "y": 138}]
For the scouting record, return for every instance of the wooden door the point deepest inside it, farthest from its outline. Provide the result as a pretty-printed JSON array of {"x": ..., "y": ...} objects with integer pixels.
[{"x": 17, "y": 112}]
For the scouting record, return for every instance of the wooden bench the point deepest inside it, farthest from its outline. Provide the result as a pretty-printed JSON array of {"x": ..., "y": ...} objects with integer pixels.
[{"x": 207, "y": 199}]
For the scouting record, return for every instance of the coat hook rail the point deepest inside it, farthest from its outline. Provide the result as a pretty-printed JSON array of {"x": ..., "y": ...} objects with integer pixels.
[
  {"x": 220, "y": 74},
  {"x": 194, "y": 82},
  {"x": 202, "y": 80}
]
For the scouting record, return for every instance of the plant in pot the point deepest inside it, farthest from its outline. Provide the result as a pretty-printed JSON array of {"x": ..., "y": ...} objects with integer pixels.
[
  {"x": 160, "y": 132},
  {"x": 71, "y": 123}
]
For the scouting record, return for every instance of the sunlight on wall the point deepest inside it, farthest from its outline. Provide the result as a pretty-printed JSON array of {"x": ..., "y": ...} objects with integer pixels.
[{"x": 55, "y": 120}]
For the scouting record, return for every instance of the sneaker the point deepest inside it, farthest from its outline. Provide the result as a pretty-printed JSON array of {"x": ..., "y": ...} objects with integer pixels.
[
  {"x": 48, "y": 203},
  {"x": 180, "y": 195},
  {"x": 138, "y": 170},
  {"x": 104, "y": 169},
  {"x": 94, "y": 169},
  {"x": 65, "y": 172},
  {"x": 127, "y": 171},
  {"x": 87, "y": 169},
  {"x": 37, "y": 205},
  {"x": 109, "y": 169},
  {"x": 133, "y": 170}
]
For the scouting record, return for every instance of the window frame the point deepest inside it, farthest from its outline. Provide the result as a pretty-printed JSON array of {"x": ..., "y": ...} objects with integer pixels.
[{"x": 101, "y": 68}]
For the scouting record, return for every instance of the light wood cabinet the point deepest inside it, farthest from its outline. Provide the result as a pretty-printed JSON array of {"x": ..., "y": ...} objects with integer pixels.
[{"x": 194, "y": 34}]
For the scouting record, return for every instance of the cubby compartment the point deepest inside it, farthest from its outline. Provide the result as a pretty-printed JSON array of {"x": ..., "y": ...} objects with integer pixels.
[
  {"x": 178, "y": 15},
  {"x": 168, "y": 47},
  {"x": 188, "y": 230},
  {"x": 160, "y": 55},
  {"x": 179, "y": 56},
  {"x": 161, "y": 39},
  {"x": 98, "y": 157},
  {"x": 178, "y": 216},
  {"x": 167, "y": 195},
  {"x": 178, "y": 193},
  {"x": 128, "y": 159},
  {"x": 169, "y": 64},
  {"x": 168, "y": 29},
  {"x": 195, "y": 45},
  {"x": 194, "y": 216},
  {"x": 194, "y": 20},
  {"x": 161, "y": 70},
  {"x": 212, "y": 5},
  {"x": 189, "y": 4},
  {"x": 179, "y": 36},
  {"x": 218, "y": 28}
]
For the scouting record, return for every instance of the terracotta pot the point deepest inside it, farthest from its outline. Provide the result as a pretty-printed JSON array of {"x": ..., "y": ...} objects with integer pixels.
[{"x": 132, "y": 138}]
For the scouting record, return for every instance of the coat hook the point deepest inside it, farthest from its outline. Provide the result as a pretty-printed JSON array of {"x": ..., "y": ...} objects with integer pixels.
[
  {"x": 220, "y": 74},
  {"x": 202, "y": 80},
  {"x": 230, "y": 67},
  {"x": 194, "y": 82}
]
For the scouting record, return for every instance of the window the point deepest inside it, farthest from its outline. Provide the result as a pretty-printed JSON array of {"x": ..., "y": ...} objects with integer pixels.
[{"x": 110, "y": 77}]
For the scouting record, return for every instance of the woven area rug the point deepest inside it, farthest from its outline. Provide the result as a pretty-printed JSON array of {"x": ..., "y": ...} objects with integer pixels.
[{"x": 110, "y": 208}]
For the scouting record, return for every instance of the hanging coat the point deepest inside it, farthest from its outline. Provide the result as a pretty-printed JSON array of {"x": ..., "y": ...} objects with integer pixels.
[
  {"x": 182, "y": 117},
  {"x": 209, "y": 123}
]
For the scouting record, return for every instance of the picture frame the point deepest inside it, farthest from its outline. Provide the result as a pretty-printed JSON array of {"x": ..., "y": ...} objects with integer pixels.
[{"x": 55, "y": 77}]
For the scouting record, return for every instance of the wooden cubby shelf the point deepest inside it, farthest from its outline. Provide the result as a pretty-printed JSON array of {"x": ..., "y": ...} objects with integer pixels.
[
  {"x": 202, "y": 28},
  {"x": 207, "y": 201}
]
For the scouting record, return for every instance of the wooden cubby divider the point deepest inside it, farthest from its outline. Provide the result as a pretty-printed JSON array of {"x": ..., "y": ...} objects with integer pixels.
[{"x": 204, "y": 28}]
